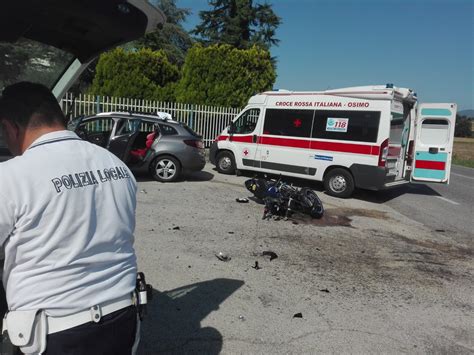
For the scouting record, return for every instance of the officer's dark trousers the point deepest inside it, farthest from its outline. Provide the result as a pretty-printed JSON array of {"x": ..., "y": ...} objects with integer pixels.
[{"x": 114, "y": 335}]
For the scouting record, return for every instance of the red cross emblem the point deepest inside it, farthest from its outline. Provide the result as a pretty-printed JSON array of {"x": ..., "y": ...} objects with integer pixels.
[
  {"x": 246, "y": 152},
  {"x": 297, "y": 123}
]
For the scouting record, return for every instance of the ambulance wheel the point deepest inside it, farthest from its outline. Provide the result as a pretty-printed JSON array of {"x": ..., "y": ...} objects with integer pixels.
[
  {"x": 225, "y": 163},
  {"x": 339, "y": 183},
  {"x": 165, "y": 168}
]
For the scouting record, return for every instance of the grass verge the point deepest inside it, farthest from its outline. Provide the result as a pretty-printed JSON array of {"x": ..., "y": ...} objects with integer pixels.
[{"x": 463, "y": 152}]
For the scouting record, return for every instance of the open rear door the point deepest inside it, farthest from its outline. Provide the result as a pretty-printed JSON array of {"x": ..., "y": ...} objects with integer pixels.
[{"x": 434, "y": 142}]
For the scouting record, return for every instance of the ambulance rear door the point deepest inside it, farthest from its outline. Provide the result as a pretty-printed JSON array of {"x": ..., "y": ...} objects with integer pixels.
[{"x": 433, "y": 142}]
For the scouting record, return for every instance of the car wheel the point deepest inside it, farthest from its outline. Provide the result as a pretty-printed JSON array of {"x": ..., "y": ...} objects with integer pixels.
[
  {"x": 339, "y": 183},
  {"x": 225, "y": 163},
  {"x": 165, "y": 169}
]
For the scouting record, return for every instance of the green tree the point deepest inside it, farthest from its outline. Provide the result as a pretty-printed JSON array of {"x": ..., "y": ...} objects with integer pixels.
[
  {"x": 463, "y": 127},
  {"x": 144, "y": 74},
  {"x": 239, "y": 23},
  {"x": 172, "y": 37},
  {"x": 224, "y": 76}
]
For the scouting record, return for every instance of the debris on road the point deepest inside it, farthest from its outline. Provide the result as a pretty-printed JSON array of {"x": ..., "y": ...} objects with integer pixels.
[
  {"x": 176, "y": 228},
  {"x": 143, "y": 192},
  {"x": 298, "y": 315},
  {"x": 325, "y": 290},
  {"x": 242, "y": 200},
  {"x": 271, "y": 254},
  {"x": 256, "y": 267},
  {"x": 222, "y": 256},
  {"x": 242, "y": 318}
]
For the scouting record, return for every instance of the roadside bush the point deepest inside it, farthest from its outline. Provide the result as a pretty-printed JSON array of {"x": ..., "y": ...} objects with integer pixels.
[
  {"x": 143, "y": 74},
  {"x": 463, "y": 127},
  {"x": 222, "y": 75}
]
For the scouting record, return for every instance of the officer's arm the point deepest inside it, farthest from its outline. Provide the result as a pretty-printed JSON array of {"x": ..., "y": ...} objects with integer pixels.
[{"x": 6, "y": 219}]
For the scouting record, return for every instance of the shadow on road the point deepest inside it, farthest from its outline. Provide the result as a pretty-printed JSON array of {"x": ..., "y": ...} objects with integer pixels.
[
  {"x": 383, "y": 196},
  {"x": 199, "y": 176},
  {"x": 193, "y": 177},
  {"x": 173, "y": 322}
]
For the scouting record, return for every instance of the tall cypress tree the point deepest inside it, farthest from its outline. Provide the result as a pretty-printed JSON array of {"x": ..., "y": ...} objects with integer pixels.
[
  {"x": 172, "y": 38},
  {"x": 239, "y": 23}
]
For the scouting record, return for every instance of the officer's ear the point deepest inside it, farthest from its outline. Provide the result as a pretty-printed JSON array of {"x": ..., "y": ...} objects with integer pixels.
[
  {"x": 12, "y": 135},
  {"x": 10, "y": 128}
]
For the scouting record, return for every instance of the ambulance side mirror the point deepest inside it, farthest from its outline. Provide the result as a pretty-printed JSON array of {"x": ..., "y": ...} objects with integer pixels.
[{"x": 231, "y": 129}]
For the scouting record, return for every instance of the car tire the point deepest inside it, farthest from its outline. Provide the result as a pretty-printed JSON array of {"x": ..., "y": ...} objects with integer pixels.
[
  {"x": 225, "y": 163},
  {"x": 339, "y": 183},
  {"x": 165, "y": 168}
]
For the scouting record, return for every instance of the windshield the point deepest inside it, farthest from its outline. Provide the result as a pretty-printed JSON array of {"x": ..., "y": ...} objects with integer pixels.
[{"x": 27, "y": 60}]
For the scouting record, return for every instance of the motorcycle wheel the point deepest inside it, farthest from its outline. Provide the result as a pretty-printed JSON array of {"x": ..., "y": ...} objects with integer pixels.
[{"x": 312, "y": 203}]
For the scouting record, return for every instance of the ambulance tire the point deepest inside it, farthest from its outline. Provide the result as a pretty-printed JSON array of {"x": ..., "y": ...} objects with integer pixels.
[
  {"x": 225, "y": 163},
  {"x": 339, "y": 183}
]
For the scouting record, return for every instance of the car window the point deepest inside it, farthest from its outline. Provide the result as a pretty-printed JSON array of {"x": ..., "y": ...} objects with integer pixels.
[
  {"x": 167, "y": 130},
  {"x": 190, "y": 131},
  {"x": 100, "y": 125},
  {"x": 27, "y": 60},
  {"x": 127, "y": 126}
]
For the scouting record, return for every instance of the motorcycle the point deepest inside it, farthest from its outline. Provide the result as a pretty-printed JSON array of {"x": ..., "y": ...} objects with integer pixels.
[{"x": 282, "y": 199}]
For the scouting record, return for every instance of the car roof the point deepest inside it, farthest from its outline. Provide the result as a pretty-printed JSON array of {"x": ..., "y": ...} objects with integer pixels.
[
  {"x": 84, "y": 28},
  {"x": 159, "y": 116}
]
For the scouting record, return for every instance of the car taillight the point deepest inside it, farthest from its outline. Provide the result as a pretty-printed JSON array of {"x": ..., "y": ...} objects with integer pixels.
[
  {"x": 194, "y": 143},
  {"x": 383, "y": 153}
]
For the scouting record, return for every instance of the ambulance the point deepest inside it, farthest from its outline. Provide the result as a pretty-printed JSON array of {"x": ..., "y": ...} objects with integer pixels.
[{"x": 367, "y": 137}]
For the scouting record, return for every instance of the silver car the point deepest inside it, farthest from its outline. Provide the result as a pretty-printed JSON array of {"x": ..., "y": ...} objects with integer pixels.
[{"x": 154, "y": 144}]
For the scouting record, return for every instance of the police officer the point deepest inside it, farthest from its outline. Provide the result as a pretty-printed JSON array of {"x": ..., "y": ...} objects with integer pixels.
[{"x": 67, "y": 217}]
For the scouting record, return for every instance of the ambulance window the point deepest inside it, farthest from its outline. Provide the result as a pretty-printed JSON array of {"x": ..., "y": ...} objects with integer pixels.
[
  {"x": 247, "y": 121},
  {"x": 362, "y": 126},
  {"x": 434, "y": 132},
  {"x": 396, "y": 130},
  {"x": 293, "y": 123}
]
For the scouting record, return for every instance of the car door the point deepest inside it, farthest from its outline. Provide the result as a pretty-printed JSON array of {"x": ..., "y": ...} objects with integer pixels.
[
  {"x": 97, "y": 130},
  {"x": 243, "y": 138},
  {"x": 123, "y": 137}
]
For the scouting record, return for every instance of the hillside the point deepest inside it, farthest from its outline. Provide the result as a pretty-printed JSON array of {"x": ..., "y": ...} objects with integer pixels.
[{"x": 467, "y": 113}]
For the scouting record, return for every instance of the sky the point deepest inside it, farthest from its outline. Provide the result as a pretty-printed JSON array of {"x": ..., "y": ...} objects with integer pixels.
[{"x": 425, "y": 45}]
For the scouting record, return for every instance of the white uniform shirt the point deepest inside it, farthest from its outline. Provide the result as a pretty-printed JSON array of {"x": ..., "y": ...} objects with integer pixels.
[{"x": 67, "y": 217}]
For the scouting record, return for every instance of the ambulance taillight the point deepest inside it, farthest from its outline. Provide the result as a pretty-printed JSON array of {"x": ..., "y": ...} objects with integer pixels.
[{"x": 383, "y": 153}]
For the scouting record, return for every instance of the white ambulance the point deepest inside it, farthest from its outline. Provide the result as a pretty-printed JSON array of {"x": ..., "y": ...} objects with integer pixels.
[{"x": 369, "y": 137}]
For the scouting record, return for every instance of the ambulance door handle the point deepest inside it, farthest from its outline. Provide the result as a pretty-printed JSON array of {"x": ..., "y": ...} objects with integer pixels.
[
  {"x": 254, "y": 138},
  {"x": 433, "y": 150}
]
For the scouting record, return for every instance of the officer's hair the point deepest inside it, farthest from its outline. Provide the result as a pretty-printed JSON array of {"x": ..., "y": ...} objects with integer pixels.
[{"x": 30, "y": 105}]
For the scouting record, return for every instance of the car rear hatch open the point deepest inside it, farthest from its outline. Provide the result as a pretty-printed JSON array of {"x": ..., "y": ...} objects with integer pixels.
[{"x": 52, "y": 41}]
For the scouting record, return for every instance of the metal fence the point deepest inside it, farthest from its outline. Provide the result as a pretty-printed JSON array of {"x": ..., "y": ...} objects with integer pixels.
[{"x": 207, "y": 121}]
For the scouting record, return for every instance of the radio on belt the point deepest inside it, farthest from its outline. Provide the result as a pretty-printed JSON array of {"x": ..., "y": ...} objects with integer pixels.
[{"x": 144, "y": 292}]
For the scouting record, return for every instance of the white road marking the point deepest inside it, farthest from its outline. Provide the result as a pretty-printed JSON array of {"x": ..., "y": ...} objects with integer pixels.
[
  {"x": 464, "y": 176},
  {"x": 447, "y": 200}
]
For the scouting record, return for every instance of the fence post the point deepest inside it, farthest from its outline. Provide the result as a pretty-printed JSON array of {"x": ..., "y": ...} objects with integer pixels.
[
  {"x": 97, "y": 104},
  {"x": 191, "y": 117}
]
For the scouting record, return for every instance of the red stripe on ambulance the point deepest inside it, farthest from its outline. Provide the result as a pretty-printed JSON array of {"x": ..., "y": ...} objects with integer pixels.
[
  {"x": 309, "y": 144},
  {"x": 433, "y": 165}
]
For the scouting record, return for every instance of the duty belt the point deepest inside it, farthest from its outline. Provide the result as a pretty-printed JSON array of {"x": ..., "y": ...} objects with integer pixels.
[{"x": 93, "y": 314}]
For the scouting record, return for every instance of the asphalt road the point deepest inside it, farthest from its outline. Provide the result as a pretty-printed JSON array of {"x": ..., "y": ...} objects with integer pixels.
[
  {"x": 363, "y": 279},
  {"x": 439, "y": 207}
]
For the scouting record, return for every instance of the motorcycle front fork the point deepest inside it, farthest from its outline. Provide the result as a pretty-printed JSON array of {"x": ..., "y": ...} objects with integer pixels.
[{"x": 288, "y": 208}]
